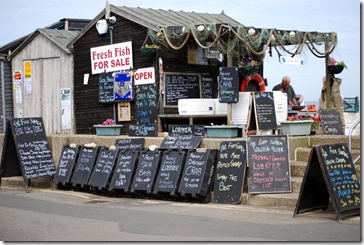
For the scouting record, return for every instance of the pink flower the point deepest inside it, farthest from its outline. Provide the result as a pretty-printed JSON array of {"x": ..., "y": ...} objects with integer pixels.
[{"x": 109, "y": 122}]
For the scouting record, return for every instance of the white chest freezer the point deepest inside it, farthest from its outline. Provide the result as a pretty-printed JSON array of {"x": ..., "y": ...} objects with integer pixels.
[{"x": 196, "y": 106}]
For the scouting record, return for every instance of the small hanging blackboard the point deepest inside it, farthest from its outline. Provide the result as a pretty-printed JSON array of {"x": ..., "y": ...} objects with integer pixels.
[
  {"x": 130, "y": 143},
  {"x": 143, "y": 130},
  {"x": 176, "y": 130},
  {"x": 66, "y": 164},
  {"x": 104, "y": 166},
  {"x": 197, "y": 173},
  {"x": 124, "y": 170},
  {"x": 330, "y": 174},
  {"x": 230, "y": 172},
  {"x": 264, "y": 110},
  {"x": 85, "y": 164},
  {"x": 169, "y": 173},
  {"x": 106, "y": 88},
  {"x": 228, "y": 85},
  {"x": 145, "y": 175},
  {"x": 26, "y": 150},
  {"x": 181, "y": 142},
  {"x": 331, "y": 122},
  {"x": 268, "y": 161}
]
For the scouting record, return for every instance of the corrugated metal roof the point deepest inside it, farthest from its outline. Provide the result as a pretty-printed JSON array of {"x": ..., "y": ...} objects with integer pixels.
[
  {"x": 156, "y": 18},
  {"x": 61, "y": 38}
]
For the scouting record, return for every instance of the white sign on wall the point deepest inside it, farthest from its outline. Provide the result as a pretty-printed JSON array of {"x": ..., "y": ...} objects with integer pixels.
[
  {"x": 286, "y": 60},
  {"x": 144, "y": 76},
  {"x": 114, "y": 57}
]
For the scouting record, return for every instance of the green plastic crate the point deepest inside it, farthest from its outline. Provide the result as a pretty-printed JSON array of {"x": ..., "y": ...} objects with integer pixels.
[{"x": 222, "y": 131}]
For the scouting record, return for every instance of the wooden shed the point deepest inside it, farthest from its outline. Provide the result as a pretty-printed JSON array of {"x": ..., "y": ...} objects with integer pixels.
[
  {"x": 49, "y": 66},
  {"x": 133, "y": 25}
]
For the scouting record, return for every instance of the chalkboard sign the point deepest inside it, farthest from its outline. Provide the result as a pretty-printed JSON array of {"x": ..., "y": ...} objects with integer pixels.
[
  {"x": 176, "y": 130},
  {"x": 330, "y": 173},
  {"x": 146, "y": 171},
  {"x": 228, "y": 85},
  {"x": 208, "y": 86},
  {"x": 268, "y": 161},
  {"x": 181, "y": 86},
  {"x": 143, "y": 130},
  {"x": 26, "y": 150},
  {"x": 230, "y": 172},
  {"x": 181, "y": 142},
  {"x": 197, "y": 174},
  {"x": 103, "y": 168},
  {"x": 106, "y": 88},
  {"x": 66, "y": 164},
  {"x": 124, "y": 170},
  {"x": 85, "y": 164},
  {"x": 146, "y": 104},
  {"x": 169, "y": 173},
  {"x": 331, "y": 122},
  {"x": 130, "y": 143},
  {"x": 264, "y": 110}
]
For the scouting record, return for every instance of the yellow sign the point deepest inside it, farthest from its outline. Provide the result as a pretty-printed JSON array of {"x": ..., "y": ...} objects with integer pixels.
[{"x": 27, "y": 69}]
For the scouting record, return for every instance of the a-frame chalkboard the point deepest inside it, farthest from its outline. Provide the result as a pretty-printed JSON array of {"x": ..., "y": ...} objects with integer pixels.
[
  {"x": 26, "y": 150},
  {"x": 330, "y": 174},
  {"x": 230, "y": 172},
  {"x": 66, "y": 165},
  {"x": 262, "y": 114}
]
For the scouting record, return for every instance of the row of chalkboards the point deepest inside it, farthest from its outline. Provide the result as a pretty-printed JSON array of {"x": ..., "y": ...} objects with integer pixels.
[{"x": 175, "y": 172}]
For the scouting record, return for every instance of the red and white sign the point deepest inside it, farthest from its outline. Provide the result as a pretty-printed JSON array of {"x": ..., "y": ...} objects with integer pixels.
[
  {"x": 144, "y": 76},
  {"x": 114, "y": 57}
]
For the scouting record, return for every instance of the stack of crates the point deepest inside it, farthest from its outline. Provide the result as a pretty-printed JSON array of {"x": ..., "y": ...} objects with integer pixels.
[{"x": 351, "y": 104}]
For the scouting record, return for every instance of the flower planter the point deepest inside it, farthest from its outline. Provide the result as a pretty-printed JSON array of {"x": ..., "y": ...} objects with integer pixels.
[
  {"x": 108, "y": 130},
  {"x": 296, "y": 128},
  {"x": 222, "y": 131},
  {"x": 247, "y": 71},
  {"x": 335, "y": 69},
  {"x": 148, "y": 51}
]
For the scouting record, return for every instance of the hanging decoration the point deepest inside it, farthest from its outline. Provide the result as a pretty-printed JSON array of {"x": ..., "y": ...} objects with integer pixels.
[{"x": 242, "y": 40}]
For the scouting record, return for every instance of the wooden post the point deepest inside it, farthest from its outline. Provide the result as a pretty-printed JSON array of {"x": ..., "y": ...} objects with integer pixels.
[
  {"x": 229, "y": 105},
  {"x": 327, "y": 79}
]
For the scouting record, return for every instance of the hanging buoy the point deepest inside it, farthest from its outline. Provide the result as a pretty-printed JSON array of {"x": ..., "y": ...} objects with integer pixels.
[{"x": 254, "y": 78}]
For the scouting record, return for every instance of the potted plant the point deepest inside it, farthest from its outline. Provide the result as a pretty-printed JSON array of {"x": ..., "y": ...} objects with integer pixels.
[
  {"x": 335, "y": 67},
  {"x": 108, "y": 127},
  {"x": 149, "y": 49},
  {"x": 296, "y": 126},
  {"x": 248, "y": 66},
  {"x": 315, "y": 125}
]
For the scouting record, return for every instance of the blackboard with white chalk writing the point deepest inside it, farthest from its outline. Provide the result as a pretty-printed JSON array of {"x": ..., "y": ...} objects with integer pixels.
[
  {"x": 181, "y": 142},
  {"x": 146, "y": 171},
  {"x": 208, "y": 86},
  {"x": 330, "y": 174},
  {"x": 146, "y": 104},
  {"x": 181, "y": 86},
  {"x": 228, "y": 85},
  {"x": 26, "y": 150},
  {"x": 176, "y": 130},
  {"x": 124, "y": 170},
  {"x": 170, "y": 170},
  {"x": 331, "y": 122},
  {"x": 130, "y": 143},
  {"x": 85, "y": 165},
  {"x": 143, "y": 130},
  {"x": 66, "y": 164},
  {"x": 268, "y": 162},
  {"x": 106, "y": 88},
  {"x": 230, "y": 172},
  {"x": 265, "y": 111},
  {"x": 197, "y": 173},
  {"x": 104, "y": 167}
]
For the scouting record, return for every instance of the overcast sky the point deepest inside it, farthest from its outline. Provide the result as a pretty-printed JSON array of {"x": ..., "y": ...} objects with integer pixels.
[{"x": 20, "y": 17}]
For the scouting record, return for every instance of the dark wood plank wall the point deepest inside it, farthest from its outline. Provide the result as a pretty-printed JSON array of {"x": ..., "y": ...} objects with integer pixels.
[
  {"x": 5, "y": 68},
  {"x": 88, "y": 110}
]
